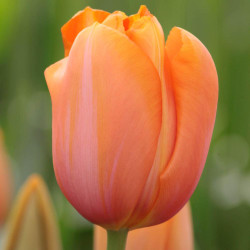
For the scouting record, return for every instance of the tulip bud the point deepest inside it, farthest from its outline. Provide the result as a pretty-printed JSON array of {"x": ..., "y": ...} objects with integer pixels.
[
  {"x": 5, "y": 180},
  {"x": 32, "y": 224},
  {"x": 132, "y": 117},
  {"x": 174, "y": 234}
]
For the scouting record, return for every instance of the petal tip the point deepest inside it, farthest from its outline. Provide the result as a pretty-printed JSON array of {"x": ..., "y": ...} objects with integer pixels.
[
  {"x": 34, "y": 181},
  {"x": 54, "y": 73},
  {"x": 144, "y": 11},
  {"x": 174, "y": 42},
  {"x": 78, "y": 22}
]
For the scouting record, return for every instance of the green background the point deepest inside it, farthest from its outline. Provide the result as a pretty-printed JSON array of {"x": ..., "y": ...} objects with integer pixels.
[{"x": 30, "y": 40}]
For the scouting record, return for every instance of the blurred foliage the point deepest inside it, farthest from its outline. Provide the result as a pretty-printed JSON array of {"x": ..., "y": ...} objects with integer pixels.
[{"x": 30, "y": 40}]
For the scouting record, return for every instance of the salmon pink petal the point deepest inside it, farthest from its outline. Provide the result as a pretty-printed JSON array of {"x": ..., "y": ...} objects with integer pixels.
[
  {"x": 106, "y": 124},
  {"x": 78, "y": 22},
  {"x": 195, "y": 85}
]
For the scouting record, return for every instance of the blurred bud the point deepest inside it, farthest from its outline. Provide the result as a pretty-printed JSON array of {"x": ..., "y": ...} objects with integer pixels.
[
  {"x": 32, "y": 224},
  {"x": 175, "y": 234},
  {"x": 5, "y": 180}
]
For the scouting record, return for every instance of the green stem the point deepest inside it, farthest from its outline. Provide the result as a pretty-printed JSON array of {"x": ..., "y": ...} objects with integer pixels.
[{"x": 117, "y": 239}]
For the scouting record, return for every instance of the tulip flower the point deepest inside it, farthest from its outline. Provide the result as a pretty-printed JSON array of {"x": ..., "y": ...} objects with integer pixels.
[
  {"x": 132, "y": 117},
  {"x": 5, "y": 180},
  {"x": 174, "y": 234}
]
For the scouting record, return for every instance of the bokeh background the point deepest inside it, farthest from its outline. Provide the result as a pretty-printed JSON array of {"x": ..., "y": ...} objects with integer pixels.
[{"x": 30, "y": 40}]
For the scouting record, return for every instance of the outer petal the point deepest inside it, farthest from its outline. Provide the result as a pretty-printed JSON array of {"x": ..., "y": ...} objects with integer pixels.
[
  {"x": 78, "y": 22},
  {"x": 145, "y": 30},
  {"x": 5, "y": 183},
  {"x": 175, "y": 234},
  {"x": 106, "y": 123},
  {"x": 195, "y": 84}
]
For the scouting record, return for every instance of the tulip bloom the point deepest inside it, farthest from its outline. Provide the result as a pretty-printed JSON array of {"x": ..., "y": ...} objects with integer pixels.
[
  {"x": 174, "y": 234},
  {"x": 132, "y": 117},
  {"x": 5, "y": 181}
]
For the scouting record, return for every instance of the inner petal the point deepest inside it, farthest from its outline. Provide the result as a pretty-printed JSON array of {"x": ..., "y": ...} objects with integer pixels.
[
  {"x": 115, "y": 21},
  {"x": 145, "y": 30}
]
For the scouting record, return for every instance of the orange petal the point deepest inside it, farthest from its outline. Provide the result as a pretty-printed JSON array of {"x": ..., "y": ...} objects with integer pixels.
[
  {"x": 195, "y": 84},
  {"x": 175, "y": 234},
  {"x": 5, "y": 183},
  {"x": 78, "y": 22},
  {"x": 106, "y": 123}
]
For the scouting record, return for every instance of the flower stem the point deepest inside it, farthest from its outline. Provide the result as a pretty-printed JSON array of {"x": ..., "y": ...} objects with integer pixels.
[{"x": 117, "y": 239}]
